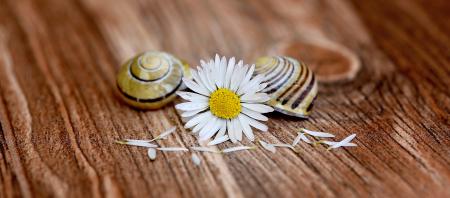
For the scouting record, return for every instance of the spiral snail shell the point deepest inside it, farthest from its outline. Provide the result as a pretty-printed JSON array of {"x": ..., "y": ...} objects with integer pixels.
[
  {"x": 150, "y": 80},
  {"x": 291, "y": 85}
]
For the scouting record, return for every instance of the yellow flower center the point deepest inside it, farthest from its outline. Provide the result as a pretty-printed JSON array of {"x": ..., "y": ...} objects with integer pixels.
[{"x": 224, "y": 103}]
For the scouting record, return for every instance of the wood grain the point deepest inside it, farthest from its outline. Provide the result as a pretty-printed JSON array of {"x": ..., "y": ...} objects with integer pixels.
[{"x": 59, "y": 116}]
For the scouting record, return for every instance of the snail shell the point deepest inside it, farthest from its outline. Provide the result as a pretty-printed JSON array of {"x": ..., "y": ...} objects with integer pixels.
[
  {"x": 290, "y": 84},
  {"x": 150, "y": 80}
]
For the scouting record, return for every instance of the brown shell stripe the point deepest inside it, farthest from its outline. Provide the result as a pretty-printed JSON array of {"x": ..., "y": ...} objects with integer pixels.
[
  {"x": 294, "y": 88},
  {"x": 290, "y": 71},
  {"x": 304, "y": 93}
]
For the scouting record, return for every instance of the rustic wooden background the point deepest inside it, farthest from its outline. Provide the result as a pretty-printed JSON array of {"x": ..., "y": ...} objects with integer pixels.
[{"x": 384, "y": 68}]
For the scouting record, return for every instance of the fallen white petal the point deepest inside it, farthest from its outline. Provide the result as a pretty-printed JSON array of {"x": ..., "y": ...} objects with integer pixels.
[
  {"x": 172, "y": 149},
  {"x": 304, "y": 138},
  {"x": 297, "y": 139},
  {"x": 267, "y": 146},
  {"x": 204, "y": 149},
  {"x": 134, "y": 140},
  {"x": 343, "y": 142},
  {"x": 317, "y": 133},
  {"x": 333, "y": 143},
  {"x": 151, "y": 152},
  {"x": 142, "y": 144},
  {"x": 218, "y": 140},
  {"x": 166, "y": 133},
  {"x": 196, "y": 159},
  {"x": 283, "y": 145},
  {"x": 237, "y": 148}
]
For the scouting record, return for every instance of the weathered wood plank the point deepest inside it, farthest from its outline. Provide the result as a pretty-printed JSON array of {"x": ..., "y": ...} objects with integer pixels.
[{"x": 384, "y": 71}]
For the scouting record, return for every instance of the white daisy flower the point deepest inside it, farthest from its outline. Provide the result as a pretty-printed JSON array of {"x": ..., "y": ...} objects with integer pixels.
[{"x": 226, "y": 99}]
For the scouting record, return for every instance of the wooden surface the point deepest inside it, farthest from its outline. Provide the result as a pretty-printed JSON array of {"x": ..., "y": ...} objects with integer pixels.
[{"x": 384, "y": 68}]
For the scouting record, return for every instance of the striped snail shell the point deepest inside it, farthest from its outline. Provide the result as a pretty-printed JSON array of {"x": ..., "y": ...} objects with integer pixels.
[
  {"x": 150, "y": 80},
  {"x": 291, "y": 84}
]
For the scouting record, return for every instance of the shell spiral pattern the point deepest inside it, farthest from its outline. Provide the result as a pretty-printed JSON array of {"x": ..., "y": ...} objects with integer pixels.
[
  {"x": 290, "y": 84},
  {"x": 150, "y": 80}
]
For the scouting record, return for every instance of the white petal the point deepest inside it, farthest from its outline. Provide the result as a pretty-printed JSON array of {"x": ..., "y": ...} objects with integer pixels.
[
  {"x": 204, "y": 64},
  {"x": 246, "y": 127},
  {"x": 195, "y": 159},
  {"x": 255, "y": 98},
  {"x": 255, "y": 123},
  {"x": 203, "y": 74},
  {"x": 267, "y": 146},
  {"x": 197, "y": 119},
  {"x": 223, "y": 128},
  {"x": 210, "y": 129},
  {"x": 343, "y": 142},
  {"x": 236, "y": 76},
  {"x": 230, "y": 130},
  {"x": 218, "y": 140},
  {"x": 317, "y": 133},
  {"x": 251, "y": 86},
  {"x": 222, "y": 72},
  {"x": 258, "y": 107},
  {"x": 134, "y": 140},
  {"x": 187, "y": 114},
  {"x": 201, "y": 79},
  {"x": 211, "y": 79},
  {"x": 247, "y": 77},
  {"x": 297, "y": 139},
  {"x": 216, "y": 72},
  {"x": 172, "y": 149},
  {"x": 195, "y": 87},
  {"x": 304, "y": 138},
  {"x": 151, "y": 152},
  {"x": 254, "y": 114},
  {"x": 141, "y": 144},
  {"x": 262, "y": 86},
  {"x": 229, "y": 72},
  {"x": 237, "y": 148},
  {"x": 204, "y": 149},
  {"x": 191, "y": 106},
  {"x": 196, "y": 78},
  {"x": 237, "y": 129},
  {"x": 283, "y": 145},
  {"x": 202, "y": 123},
  {"x": 333, "y": 143},
  {"x": 166, "y": 133},
  {"x": 193, "y": 97}
]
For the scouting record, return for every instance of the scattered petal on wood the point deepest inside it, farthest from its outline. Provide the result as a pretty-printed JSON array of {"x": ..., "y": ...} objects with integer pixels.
[
  {"x": 317, "y": 133},
  {"x": 283, "y": 145},
  {"x": 142, "y": 144},
  {"x": 196, "y": 159},
  {"x": 297, "y": 139},
  {"x": 134, "y": 140},
  {"x": 267, "y": 146},
  {"x": 343, "y": 142},
  {"x": 219, "y": 140},
  {"x": 205, "y": 149},
  {"x": 333, "y": 143},
  {"x": 304, "y": 138},
  {"x": 238, "y": 148},
  {"x": 173, "y": 149},
  {"x": 165, "y": 133},
  {"x": 151, "y": 152}
]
